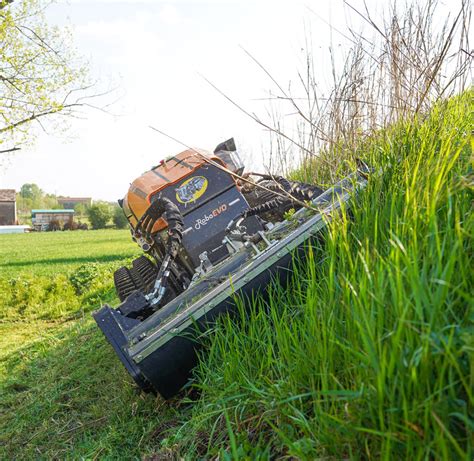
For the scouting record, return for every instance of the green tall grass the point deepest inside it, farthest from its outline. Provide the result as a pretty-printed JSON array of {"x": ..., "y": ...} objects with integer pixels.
[{"x": 369, "y": 351}]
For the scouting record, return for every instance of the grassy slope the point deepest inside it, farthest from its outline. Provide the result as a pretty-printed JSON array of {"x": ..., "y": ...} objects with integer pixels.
[{"x": 368, "y": 354}]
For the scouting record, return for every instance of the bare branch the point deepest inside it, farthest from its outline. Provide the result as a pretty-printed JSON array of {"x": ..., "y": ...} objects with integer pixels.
[{"x": 12, "y": 149}]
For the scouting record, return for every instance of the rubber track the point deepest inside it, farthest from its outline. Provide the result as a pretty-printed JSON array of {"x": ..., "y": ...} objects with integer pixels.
[
  {"x": 124, "y": 283},
  {"x": 146, "y": 271},
  {"x": 140, "y": 276}
]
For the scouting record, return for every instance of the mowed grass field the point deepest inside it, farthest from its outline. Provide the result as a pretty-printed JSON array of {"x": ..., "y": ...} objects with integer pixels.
[{"x": 43, "y": 253}]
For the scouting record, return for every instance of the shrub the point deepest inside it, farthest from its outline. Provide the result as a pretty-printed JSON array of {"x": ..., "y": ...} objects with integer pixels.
[
  {"x": 119, "y": 218},
  {"x": 54, "y": 225},
  {"x": 99, "y": 215},
  {"x": 71, "y": 225}
]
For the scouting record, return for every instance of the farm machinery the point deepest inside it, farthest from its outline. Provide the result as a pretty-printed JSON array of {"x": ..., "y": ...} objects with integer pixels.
[{"x": 209, "y": 232}]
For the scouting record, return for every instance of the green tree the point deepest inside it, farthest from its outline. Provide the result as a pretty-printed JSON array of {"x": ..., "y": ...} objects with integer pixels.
[
  {"x": 31, "y": 191},
  {"x": 119, "y": 218},
  {"x": 99, "y": 215},
  {"x": 39, "y": 74},
  {"x": 50, "y": 201},
  {"x": 31, "y": 196},
  {"x": 80, "y": 209}
]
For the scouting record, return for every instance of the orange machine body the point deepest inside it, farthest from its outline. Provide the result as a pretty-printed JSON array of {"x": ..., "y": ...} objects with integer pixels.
[{"x": 167, "y": 173}]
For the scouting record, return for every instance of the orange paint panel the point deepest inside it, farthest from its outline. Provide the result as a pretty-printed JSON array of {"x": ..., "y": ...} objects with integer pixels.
[{"x": 164, "y": 175}]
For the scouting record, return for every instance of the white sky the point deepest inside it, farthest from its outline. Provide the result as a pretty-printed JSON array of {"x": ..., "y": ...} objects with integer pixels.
[{"x": 153, "y": 52}]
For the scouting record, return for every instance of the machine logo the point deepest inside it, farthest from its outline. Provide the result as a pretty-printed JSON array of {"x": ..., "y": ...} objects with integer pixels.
[
  {"x": 206, "y": 218},
  {"x": 191, "y": 189}
]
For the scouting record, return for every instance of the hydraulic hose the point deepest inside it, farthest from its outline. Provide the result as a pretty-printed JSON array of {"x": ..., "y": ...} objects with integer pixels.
[{"x": 162, "y": 207}]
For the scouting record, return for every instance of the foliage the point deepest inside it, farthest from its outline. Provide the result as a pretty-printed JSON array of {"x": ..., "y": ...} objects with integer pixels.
[
  {"x": 32, "y": 197},
  {"x": 39, "y": 71},
  {"x": 99, "y": 215},
  {"x": 119, "y": 218},
  {"x": 54, "y": 225},
  {"x": 80, "y": 209},
  {"x": 82, "y": 278},
  {"x": 71, "y": 225},
  {"x": 367, "y": 354},
  {"x": 31, "y": 191},
  {"x": 54, "y": 363},
  {"x": 409, "y": 56},
  {"x": 36, "y": 297}
]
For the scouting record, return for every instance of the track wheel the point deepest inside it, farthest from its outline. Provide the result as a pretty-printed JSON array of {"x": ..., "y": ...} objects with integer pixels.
[
  {"x": 141, "y": 276},
  {"x": 124, "y": 283},
  {"x": 146, "y": 272}
]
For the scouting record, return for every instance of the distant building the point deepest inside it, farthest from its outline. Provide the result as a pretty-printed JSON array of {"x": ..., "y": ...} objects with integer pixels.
[
  {"x": 7, "y": 207},
  {"x": 41, "y": 219},
  {"x": 71, "y": 202}
]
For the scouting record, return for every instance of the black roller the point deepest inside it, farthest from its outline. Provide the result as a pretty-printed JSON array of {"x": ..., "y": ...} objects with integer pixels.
[{"x": 272, "y": 207}]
